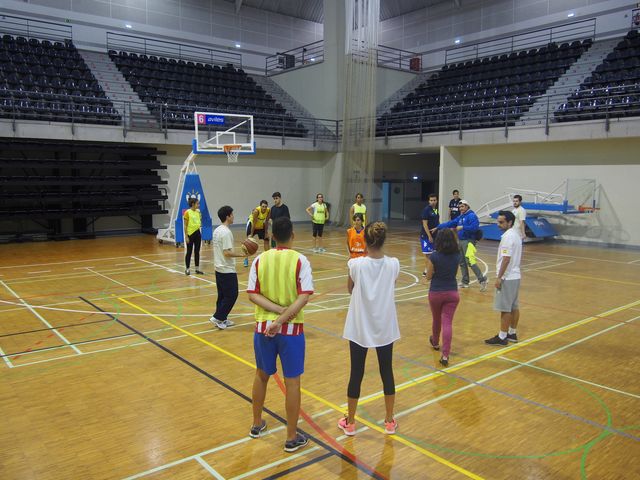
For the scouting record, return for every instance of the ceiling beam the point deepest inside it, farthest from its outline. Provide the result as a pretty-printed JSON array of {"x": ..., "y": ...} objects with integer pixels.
[{"x": 238, "y": 5}]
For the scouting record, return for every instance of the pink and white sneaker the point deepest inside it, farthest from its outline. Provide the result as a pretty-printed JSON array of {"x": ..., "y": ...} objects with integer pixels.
[
  {"x": 390, "y": 427},
  {"x": 347, "y": 428}
]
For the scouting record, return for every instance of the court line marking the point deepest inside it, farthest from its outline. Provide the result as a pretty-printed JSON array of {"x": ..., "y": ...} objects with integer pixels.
[
  {"x": 275, "y": 463},
  {"x": 333, "y": 447},
  {"x": 224, "y": 446},
  {"x": 32, "y": 310},
  {"x": 633, "y": 262},
  {"x": 482, "y": 383},
  {"x": 337, "y": 408},
  {"x": 120, "y": 283},
  {"x": 210, "y": 469},
  {"x": 39, "y": 271},
  {"x": 494, "y": 354},
  {"x": 6, "y": 358},
  {"x": 599, "y": 279}
]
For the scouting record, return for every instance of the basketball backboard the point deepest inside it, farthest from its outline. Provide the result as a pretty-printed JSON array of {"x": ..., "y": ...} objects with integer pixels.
[{"x": 214, "y": 131}]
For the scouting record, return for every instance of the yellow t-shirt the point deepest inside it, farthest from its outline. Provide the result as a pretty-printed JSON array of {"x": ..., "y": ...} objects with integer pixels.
[
  {"x": 262, "y": 217},
  {"x": 361, "y": 209},
  {"x": 195, "y": 220},
  {"x": 319, "y": 213}
]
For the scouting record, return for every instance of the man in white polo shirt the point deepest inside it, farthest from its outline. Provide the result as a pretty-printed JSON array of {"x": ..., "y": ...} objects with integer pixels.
[
  {"x": 508, "y": 280},
  {"x": 521, "y": 215}
]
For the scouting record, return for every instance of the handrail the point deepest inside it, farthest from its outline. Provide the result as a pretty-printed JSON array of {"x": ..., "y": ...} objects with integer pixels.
[
  {"x": 298, "y": 57},
  {"x": 567, "y": 32},
  {"x": 398, "y": 59},
  {"x": 164, "y": 48},
  {"x": 39, "y": 29}
]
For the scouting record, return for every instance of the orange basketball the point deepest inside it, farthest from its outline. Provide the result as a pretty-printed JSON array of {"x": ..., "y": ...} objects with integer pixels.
[{"x": 249, "y": 246}]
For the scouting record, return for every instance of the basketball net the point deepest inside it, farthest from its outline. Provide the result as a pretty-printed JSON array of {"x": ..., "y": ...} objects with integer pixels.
[{"x": 232, "y": 152}]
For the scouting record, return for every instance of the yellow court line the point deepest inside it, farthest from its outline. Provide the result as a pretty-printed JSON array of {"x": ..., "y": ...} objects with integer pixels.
[
  {"x": 588, "y": 277},
  {"x": 337, "y": 408},
  {"x": 502, "y": 351}
]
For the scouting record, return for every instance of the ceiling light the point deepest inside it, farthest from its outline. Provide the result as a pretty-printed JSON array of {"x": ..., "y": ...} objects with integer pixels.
[
  {"x": 415, "y": 177},
  {"x": 238, "y": 45},
  {"x": 456, "y": 41},
  {"x": 128, "y": 25},
  {"x": 571, "y": 15},
  {"x": 408, "y": 153},
  {"x": 313, "y": 59}
]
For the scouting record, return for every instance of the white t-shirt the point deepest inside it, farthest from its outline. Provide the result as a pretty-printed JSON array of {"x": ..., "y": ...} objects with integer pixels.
[
  {"x": 223, "y": 240},
  {"x": 521, "y": 215},
  {"x": 372, "y": 320},
  {"x": 510, "y": 246}
]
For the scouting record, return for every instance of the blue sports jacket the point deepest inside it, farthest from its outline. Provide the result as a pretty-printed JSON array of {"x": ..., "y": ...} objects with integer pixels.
[{"x": 470, "y": 225}]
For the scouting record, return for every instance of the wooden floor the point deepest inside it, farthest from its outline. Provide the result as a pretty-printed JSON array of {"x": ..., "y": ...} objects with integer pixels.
[{"x": 110, "y": 369}]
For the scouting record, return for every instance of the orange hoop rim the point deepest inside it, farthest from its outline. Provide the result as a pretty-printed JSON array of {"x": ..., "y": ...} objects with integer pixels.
[{"x": 231, "y": 148}]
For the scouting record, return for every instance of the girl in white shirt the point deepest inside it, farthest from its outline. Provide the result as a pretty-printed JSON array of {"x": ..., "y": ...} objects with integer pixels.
[{"x": 371, "y": 322}]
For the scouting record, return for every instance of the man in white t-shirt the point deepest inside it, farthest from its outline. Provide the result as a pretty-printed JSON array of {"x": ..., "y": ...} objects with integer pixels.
[
  {"x": 520, "y": 214},
  {"x": 225, "y": 265},
  {"x": 508, "y": 280}
]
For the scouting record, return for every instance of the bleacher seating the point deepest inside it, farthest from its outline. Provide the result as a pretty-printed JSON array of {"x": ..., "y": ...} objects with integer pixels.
[
  {"x": 612, "y": 90},
  {"x": 41, "y": 80},
  {"x": 46, "y": 181},
  {"x": 174, "y": 89},
  {"x": 481, "y": 93}
]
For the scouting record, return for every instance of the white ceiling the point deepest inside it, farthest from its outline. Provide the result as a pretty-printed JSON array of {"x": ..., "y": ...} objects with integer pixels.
[{"x": 312, "y": 9}]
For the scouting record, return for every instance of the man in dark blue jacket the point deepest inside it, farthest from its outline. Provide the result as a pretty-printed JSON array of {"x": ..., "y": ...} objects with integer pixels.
[{"x": 467, "y": 226}]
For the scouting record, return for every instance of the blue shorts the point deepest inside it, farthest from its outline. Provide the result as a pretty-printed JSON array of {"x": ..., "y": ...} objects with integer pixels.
[
  {"x": 426, "y": 245},
  {"x": 290, "y": 348}
]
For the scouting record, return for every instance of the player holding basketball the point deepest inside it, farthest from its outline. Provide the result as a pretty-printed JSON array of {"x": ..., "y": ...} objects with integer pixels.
[
  {"x": 225, "y": 265},
  {"x": 192, "y": 221},
  {"x": 355, "y": 238},
  {"x": 258, "y": 224},
  {"x": 358, "y": 207},
  {"x": 430, "y": 221},
  {"x": 280, "y": 284},
  {"x": 319, "y": 213},
  {"x": 372, "y": 322}
]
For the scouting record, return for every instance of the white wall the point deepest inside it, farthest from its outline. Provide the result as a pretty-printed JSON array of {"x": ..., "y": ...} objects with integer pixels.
[
  {"x": 209, "y": 23},
  {"x": 389, "y": 81},
  {"x": 615, "y": 164},
  {"x": 439, "y": 25},
  {"x": 297, "y": 175}
]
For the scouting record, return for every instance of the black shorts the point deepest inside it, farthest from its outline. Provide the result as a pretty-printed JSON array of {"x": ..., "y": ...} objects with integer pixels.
[
  {"x": 260, "y": 233},
  {"x": 317, "y": 229}
]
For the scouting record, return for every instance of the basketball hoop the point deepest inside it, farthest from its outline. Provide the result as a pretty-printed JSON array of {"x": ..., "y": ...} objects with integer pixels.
[{"x": 232, "y": 152}]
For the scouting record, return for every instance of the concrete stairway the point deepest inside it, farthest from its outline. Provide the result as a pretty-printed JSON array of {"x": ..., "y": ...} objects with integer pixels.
[
  {"x": 303, "y": 116},
  {"x": 135, "y": 113},
  {"x": 406, "y": 89},
  {"x": 569, "y": 82}
]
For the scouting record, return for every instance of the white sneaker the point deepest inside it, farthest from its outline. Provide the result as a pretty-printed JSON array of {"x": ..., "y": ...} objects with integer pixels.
[
  {"x": 322, "y": 250},
  {"x": 218, "y": 323},
  {"x": 463, "y": 285},
  {"x": 229, "y": 323},
  {"x": 314, "y": 250}
]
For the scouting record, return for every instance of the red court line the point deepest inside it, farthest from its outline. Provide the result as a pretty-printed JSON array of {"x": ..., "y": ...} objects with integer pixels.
[{"x": 328, "y": 438}]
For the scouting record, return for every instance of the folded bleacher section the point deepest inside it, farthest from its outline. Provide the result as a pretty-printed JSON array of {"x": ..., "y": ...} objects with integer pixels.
[
  {"x": 44, "y": 182},
  {"x": 174, "y": 89},
  {"x": 483, "y": 93},
  {"x": 49, "y": 81},
  {"x": 612, "y": 90}
]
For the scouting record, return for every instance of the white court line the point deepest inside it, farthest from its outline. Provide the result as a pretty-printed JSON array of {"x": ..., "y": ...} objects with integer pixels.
[
  {"x": 6, "y": 359},
  {"x": 172, "y": 270},
  {"x": 39, "y": 271},
  {"x": 632, "y": 262},
  {"x": 82, "y": 261},
  {"x": 121, "y": 284},
  {"x": 209, "y": 468},
  {"x": 83, "y": 268},
  {"x": 124, "y": 264},
  {"x": 276, "y": 463},
  {"x": 509, "y": 370},
  {"x": 32, "y": 310},
  {"x": 548, "y": 266}
]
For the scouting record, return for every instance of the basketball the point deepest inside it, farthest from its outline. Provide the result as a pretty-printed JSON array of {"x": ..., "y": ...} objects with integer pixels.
[{"x": 249, "y": 246}]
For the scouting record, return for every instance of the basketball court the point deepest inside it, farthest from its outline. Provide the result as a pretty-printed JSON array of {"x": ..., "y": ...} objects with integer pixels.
[{"x": 111, "y": 369}]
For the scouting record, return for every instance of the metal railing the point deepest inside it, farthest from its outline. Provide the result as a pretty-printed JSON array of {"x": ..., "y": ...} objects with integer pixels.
[
  {"x": 550, "y": 111},
  {"x": 389, "y": 57},
  {"x": 298, "y": 57},
  {"x": 18, "y": 106},
  {"x": 179, "y": 51},
  {"x": 568, "y": 32},
  {"x": 39, "y": 29}
]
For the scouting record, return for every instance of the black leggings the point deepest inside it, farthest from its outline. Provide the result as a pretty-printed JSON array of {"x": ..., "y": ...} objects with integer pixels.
[
  {"x": 358, "y": 357},
  {"x": 195, "y": 239}
]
